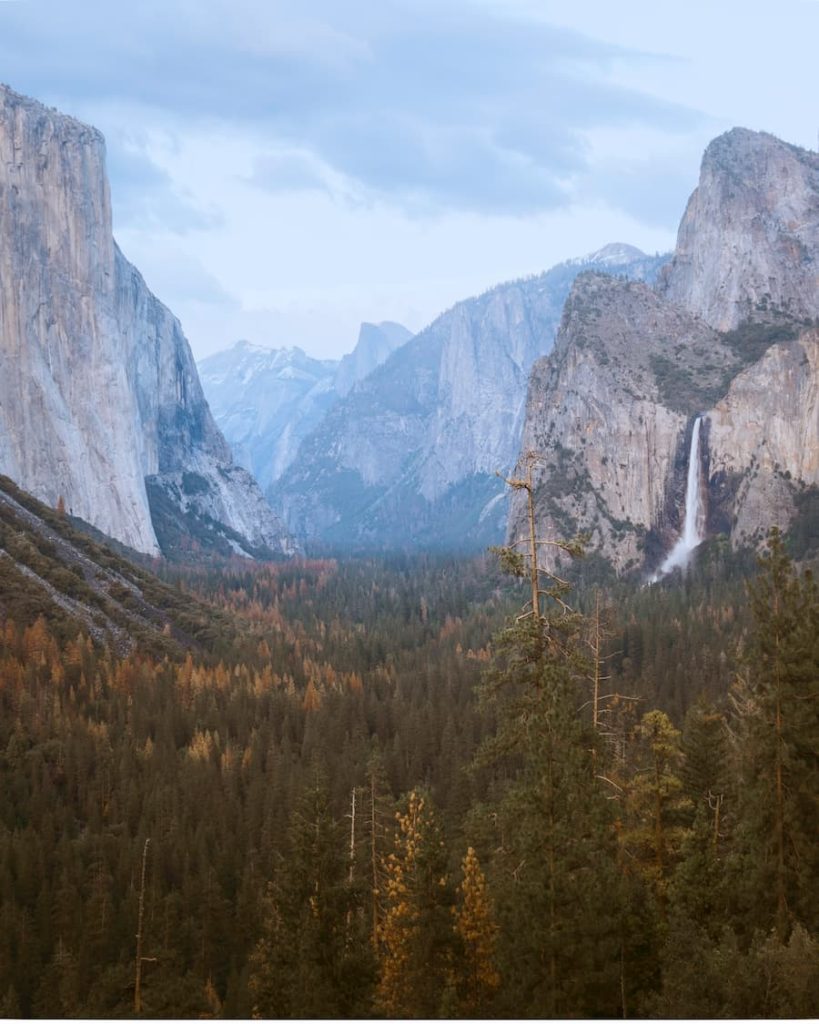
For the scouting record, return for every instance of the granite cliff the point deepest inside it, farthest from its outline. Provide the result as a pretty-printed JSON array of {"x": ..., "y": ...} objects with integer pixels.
[
  {"x": 409, "y": 456},
  {"x": 727, "y": 333},
  {"x": 376, "y": 342},
  {"x": 100, "y": 402},
  {"x": 748, "y": 241}
]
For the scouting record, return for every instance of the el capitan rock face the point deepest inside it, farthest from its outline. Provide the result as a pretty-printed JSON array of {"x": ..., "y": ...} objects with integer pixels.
[
  {"x": 725, "y": 333},
  {"x": 98, "y": 388}
]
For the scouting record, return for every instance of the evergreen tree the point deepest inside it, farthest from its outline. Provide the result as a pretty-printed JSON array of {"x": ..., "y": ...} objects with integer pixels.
[
  {"x": 777, "y": 710},
  {"x": 706, "y": 766},
  {"x": 415, "y": 934},
  {"x": 478, "y": 933},
  {"x": 312, "y": 959},
  {"x": 655, "y": 806},
  {"x": 559, "y": 893}
]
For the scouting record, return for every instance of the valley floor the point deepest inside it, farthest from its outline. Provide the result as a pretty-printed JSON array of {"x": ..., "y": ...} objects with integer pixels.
[{"x": 379, "y": 788}]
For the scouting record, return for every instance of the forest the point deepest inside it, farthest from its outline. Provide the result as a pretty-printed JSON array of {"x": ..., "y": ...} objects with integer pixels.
[{"x": 420, "y": 787}]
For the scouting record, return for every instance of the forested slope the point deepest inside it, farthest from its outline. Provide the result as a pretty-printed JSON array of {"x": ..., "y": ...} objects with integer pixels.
[{"x": 52, "y": 567}]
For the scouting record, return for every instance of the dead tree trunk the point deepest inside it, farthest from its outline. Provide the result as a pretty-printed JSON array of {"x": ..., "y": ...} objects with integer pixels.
[{"x": 140, "y": 917}]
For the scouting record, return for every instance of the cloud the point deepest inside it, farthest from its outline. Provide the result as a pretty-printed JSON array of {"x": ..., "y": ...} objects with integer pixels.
[
  {"x": 146, "y": 197},
  {"x": 289, "y": 171},
  {"x": 175, "y": 273},
  {"x": 429, "y": 107},
  {"x": 652, "y": 191}
]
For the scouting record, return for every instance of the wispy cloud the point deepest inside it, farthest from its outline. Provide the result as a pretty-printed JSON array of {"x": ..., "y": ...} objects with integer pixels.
[
  {"x": 146, "y": 196},
  {"x": 424, "y": 106}
]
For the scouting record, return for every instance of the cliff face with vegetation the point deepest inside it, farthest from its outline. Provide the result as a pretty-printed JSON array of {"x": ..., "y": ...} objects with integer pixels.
[
  {"x": 100, "y": 402},
  {"x": 726, "y": 333}
]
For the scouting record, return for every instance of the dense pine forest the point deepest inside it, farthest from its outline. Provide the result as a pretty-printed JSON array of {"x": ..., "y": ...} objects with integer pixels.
[{"x": 393, "y": 787}]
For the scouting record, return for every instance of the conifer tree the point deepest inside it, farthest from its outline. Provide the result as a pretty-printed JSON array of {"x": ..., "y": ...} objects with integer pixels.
[
  {"x": 554, "y": 872},
  {"x": 655, "y": 806},
  {"x": 776, "y": 701},
  {"x": 415, "y": 934},
  {"x": 705, "y": 769},
  {"x": 476, "y": 928},
  {"x": 307, "y": 962},
  {"x": 376, "y": 817}
]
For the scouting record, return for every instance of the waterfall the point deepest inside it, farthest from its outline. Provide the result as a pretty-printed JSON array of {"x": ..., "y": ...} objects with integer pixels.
[{"x": 692, "y": 534}]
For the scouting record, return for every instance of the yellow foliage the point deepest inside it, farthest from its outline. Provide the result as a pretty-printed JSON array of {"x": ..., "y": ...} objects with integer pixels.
[
  {"x": 312, "y": 698},
  {"x": 476, "y": 927}
]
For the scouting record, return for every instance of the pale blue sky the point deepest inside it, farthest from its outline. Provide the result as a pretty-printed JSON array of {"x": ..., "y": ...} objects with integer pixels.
[{"x": 283, "y": 170}]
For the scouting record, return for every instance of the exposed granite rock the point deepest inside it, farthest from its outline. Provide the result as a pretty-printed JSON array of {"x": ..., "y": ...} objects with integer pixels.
[
  {"x": 749, "y": 239},
  {"x": 764, "y": 434},
  {"x": 726, "y": 334},
  {"x": 265, "y": 401},
  {"x": 98, "y": 388},
  {"x": 608, "y": 415},
  {"x": 409, "y": 456},
  {"x": 376, "y": 342}
]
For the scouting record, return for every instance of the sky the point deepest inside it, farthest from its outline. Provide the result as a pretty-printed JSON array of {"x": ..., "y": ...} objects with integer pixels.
[{"x": 282, "y": 171}]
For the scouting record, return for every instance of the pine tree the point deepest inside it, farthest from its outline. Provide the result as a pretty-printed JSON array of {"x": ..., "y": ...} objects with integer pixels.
[
  {"x": 705, "y": 770},
  {"x": 655, "y": 806},
  {"x": 564, "y": 931},
  {"x": 312, "y": 959},
  {"x": 776, "y": 701},
  {"x": 476, "y": 928},
  {"x": 376, "y": 816},
  {"x": 415, "y": 934}
]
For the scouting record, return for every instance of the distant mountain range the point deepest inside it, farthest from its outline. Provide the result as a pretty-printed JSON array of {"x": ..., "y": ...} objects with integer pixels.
[
  {"x": 267, "y": 400},
  {"x": 400, "y": 443},
  {"x": 409, "y": 456}
]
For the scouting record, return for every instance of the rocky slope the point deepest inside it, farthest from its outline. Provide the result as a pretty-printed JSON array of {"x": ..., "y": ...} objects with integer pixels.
[
  {"x": 100, "y": 402},
  {"x": 266, "y": 401},
  {"x": 409, "y": 456},
  {"x": 726, "y": 333},
  {"x": 51, "y": 568}
]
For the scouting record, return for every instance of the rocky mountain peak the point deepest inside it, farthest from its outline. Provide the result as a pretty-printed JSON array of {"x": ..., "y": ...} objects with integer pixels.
[
  {"x": 267, "y": 399},
  {"x": 748, "y": 240},
  {"x": 409, "y": 456},
  {"x": 615, "y": 253},
  {"x": 723, "y": 338},
  {"x": 375, "y": 343},
  {"x": 50, "y": 119}
]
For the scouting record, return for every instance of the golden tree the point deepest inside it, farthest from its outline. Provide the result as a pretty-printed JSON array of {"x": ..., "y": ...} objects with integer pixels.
[
  {"x": 415, "y": 932},
  {"x": 475, "y": 926}
]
